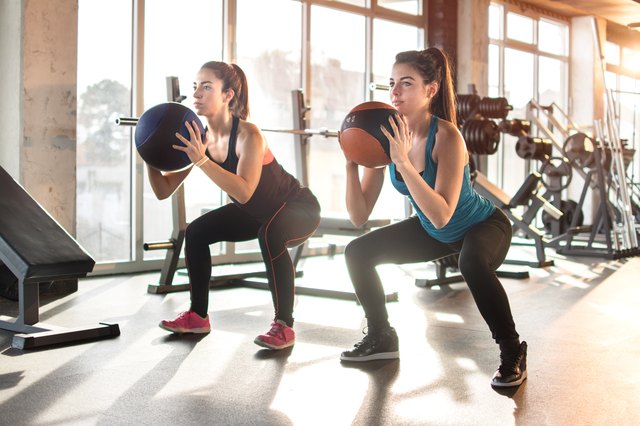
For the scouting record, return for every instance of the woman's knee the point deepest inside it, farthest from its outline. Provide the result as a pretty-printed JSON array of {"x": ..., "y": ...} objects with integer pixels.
[
  {"x": 474, "y": 266},
  {"x": 194, "y": 235},
  {"x": 357, "y": 251}
]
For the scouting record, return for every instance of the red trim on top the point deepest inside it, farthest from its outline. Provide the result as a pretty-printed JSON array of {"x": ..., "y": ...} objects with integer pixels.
[{"x": 268, "y": 157}]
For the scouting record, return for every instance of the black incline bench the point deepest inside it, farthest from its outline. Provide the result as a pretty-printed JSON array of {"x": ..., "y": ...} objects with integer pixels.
[{"x": 35, "y": 248}]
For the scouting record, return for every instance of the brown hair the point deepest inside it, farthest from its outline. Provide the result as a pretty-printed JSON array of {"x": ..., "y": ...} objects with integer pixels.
[
  {"x": 433, "y": 66},
  {"x": 232, "y": 78}
]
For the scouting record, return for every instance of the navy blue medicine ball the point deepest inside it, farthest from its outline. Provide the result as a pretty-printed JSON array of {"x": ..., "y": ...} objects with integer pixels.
[{"x": 155, "y": 135}]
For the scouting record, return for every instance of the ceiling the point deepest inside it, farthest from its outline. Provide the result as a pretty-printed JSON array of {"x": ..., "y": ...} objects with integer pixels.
[{"x": 623, "y": 12}]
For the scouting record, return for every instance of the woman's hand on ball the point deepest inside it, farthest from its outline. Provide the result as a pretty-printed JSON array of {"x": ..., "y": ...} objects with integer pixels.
[
  {"x": 401, "y": 139},
  {"x": 193, "y": 147}
]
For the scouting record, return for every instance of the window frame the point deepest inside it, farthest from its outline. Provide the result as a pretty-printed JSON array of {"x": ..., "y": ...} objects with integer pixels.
[
  {"x": 372, "y": 11},
  {"x": 496, "y": 170}
]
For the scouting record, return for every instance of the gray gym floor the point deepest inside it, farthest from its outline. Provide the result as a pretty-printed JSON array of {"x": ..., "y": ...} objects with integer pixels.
[{"x": 580, "y": 318}]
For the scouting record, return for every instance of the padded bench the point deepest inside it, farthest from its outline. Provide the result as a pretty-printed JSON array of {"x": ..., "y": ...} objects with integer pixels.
[{"x": 35, "y": 248}]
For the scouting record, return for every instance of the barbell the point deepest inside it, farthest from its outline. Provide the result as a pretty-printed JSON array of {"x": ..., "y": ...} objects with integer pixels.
[
  {"x": 310, "y": 132},
  {"x": 323, "y": 131}
]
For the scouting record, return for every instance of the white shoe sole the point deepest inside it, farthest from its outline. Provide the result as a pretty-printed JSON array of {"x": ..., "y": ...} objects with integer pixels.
[
  {"x": 179, "y": 330},
  {"x": 273, "y": 347},
  {"x": 511, "y": 384},
  {"x": 372, "y": 357}
]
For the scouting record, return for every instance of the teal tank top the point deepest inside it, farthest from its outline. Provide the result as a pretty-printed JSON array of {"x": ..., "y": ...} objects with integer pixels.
[{"x": 472, "y": 208}]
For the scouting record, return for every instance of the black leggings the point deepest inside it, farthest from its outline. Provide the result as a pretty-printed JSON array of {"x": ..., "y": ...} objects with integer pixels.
[
  {"x": 290, "y": 226},
  {"x": 481, "y": 252}
]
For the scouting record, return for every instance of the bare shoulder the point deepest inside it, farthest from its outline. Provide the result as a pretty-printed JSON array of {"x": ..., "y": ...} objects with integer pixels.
[
  {"x": 247, "y": 129},
  {"x": 447, "y": 130},
  {"x": 249, "y": 136},
  {"x": 449, "y": 140}
]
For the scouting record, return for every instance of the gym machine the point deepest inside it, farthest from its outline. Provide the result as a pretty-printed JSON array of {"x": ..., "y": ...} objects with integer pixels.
[{"x": 601, "y": 164}]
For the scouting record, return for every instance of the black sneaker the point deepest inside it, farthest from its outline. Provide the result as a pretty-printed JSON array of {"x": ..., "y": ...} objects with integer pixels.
[
  {"x": 375, "y": 345},
  {"x": 513, "y": 368}
]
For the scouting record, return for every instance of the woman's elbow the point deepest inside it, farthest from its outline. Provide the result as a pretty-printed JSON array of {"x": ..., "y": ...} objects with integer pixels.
[
  {"x": 161, "y": 195},
  {"x": 358, "y": 220},
  {"x": 441, "y": 221},
  {"x": 244, "y": 196},
  {"x": 438, "y": 225}
]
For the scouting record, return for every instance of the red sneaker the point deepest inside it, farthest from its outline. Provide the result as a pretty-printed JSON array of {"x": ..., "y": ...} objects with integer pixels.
[
  {"x": 187, "y": 322},
  {"x": 279, "y": 337}
]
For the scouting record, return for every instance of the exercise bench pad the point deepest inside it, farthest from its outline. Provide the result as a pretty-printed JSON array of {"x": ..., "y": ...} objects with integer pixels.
[{"x": 32, "y": 243}]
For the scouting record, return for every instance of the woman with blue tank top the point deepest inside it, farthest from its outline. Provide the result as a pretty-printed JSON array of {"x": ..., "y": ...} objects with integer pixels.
[
  {"x": 430, "y": 165},
  {"x": 268, "y": 203}
]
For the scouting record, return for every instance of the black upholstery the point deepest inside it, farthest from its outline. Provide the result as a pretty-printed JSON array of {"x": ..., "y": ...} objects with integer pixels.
[
  {"x": 32, "y": 243},
  {"x": 35, "y": 248}
]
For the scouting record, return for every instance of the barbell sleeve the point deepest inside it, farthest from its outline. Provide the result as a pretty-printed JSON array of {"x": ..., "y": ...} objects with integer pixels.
[
  {"x": 126, "y": 121},
  {"x": 159, "y": 245},
  {"x": 378, "y": 86}
]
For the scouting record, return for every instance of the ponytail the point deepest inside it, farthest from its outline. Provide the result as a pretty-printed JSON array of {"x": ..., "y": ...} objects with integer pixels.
[{"x": 240, "y": 103}]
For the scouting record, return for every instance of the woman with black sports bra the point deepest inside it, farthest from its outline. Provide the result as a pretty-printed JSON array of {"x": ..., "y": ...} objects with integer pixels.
[
  {"x": 430, "y": 165},
  {"x": 268, "y": 203}
]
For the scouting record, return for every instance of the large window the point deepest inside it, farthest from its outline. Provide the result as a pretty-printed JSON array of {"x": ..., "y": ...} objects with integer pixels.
[
  {"x": 104, "y": 208},
  {"x": 330, "y": 50},
  {"x": 338, "y": 83},
  {"x": 528, "y": 59},
  {"x": 389, "y": 38},
  {"x": 518, "y": 88},
  {"x": 273, "y": 65},
  {"x": 622, "y": 81},
  {"x": 178, "y": 53}
]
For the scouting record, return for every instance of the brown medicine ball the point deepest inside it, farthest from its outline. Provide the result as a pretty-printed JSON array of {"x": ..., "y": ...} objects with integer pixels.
[{"x": 361, "y": 138}]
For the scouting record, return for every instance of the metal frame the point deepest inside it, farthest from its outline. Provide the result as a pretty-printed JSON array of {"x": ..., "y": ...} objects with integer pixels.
[
  {"x": 620, "y": 240},
  {"x": 31, "y": 333}
]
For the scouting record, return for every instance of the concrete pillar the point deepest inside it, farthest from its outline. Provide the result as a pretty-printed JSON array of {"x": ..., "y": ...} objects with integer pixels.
[
  {"x": 39, "y": 55},
  {"x": 473, "y": 54},
  {"x": 473, "y": 46},
  {"x": 586, "y": 92},
  {"x": 587, "y": 85},
  {"x": 10, "y": 85}
]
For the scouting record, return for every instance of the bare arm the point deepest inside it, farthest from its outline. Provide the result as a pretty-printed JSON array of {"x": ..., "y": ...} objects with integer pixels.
[
  {"x": 164, "y": 184},
  {"x": 250, "y": 149},
  {"x": 439, "y": 203},
  {"x": 362, "y": 195}
]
